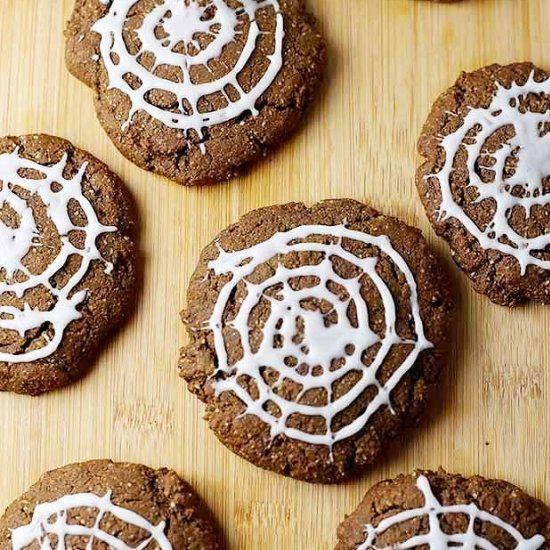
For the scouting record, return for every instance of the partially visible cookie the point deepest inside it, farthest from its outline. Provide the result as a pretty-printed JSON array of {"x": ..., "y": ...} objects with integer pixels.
[
  {"x": 67, "y": 262},
  {"x": 485, "y": 180},
  {"x": 196, "y": 90},
  {"x": 440, "y": 510},
  {"x": 317, "y": 335},
  {"x": 101, "y": 504}
]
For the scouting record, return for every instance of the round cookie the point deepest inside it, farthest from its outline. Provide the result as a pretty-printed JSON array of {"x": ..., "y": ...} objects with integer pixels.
[
  {"x": 485, "y": 181},
  {"x": 440, "y": 510},
  {"x": 67, "y": 269},
  {"x": 317, "y": 335},
  {"x": 101, "y": 504},
  {"x": 196, "y": 90}
]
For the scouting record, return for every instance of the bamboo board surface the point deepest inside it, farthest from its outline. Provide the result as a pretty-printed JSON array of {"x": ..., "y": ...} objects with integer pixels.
[{"x": 389, "y": 59}]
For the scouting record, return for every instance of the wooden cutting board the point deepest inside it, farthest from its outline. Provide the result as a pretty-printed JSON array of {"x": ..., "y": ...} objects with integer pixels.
[{"x": 389, "y": 59}]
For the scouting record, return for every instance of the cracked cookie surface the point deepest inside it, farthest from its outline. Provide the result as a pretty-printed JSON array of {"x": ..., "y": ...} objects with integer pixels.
[
  {"x": 102, "y": 504},
  {"x": 67, "y": 269},
  {"x": 196, "y": 91},
  {"x": 317, "y": 334}
]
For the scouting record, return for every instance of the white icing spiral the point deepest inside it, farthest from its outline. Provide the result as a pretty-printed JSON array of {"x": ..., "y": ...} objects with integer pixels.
[
  {"x": 324, "y": 337},
  {"x": 51, "y": 525},
  {"x": 19, "y": 238},
  {"x": 529, "y": 146},
  {"x": 173, "y": 26},
  {"x": 435, "y": 538}
]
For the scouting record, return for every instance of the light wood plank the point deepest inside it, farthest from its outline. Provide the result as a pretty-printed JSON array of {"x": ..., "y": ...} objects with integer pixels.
[{"x": 389, "y": 61}]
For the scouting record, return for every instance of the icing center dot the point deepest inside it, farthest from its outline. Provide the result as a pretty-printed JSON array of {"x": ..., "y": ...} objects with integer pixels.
[
  {"x": 533, "y": 155},
  {"x": 183, "y": 23},
  {"x": 17, "y": 234}
]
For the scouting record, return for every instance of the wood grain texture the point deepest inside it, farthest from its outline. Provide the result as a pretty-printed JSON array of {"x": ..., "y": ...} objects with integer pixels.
[{"x": 389, "y": 59}]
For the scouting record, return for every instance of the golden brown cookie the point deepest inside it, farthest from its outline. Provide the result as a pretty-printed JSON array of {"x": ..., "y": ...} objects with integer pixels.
[
  {"x": 317, "y": 335},
  {"x": 67, "y": 263},
  {"x": 101, "y": 504},
  {"x": 440, "y": 510},
  {"x": 196, "y": 90},
  {"x": 485, "y": 180}
]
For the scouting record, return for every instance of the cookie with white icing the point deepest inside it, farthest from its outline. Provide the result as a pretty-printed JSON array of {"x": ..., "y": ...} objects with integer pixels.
[
  {"x": 440, "y": 510},
  {"x": 317, "y": 335},
  {"x": 113, "y": 506},
  {"x": 485, "y": 181},
  {"x": 196, "y": 90},
  {"x": 67, "y": 261}
]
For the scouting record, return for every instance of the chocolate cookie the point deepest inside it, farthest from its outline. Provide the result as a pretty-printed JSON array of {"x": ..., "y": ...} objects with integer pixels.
[
  {"x": 317, "y": 334},
  {"x": 439, "y": 510},
  {"x": 100, "y": 504},
  {"x": 485, "y": 182},
  {"x": 66, "y": 262},
  {"x": 195, "y": 90}
]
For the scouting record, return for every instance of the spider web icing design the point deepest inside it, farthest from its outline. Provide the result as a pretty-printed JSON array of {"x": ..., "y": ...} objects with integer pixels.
[
  {"x": 530, "y": 147},
  {"x": 19, "y": 239},
  {"x": 435, "y": 538},
  {"x": 183, "y": 22},
  {"x": 50, "y": 523},
  {"x": 320, "y": 343}
]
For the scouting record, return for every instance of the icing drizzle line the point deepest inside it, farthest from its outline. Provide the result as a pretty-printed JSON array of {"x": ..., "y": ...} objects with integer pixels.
[
  {"x": 55, "y": 192},
  {"x": 435, "y": 538},
  {"x": 321, "y": 343},
  {"x": 530, "y": 145},
  {"x": 50, "y": 520},
  {"x": 182, "y": 22}
]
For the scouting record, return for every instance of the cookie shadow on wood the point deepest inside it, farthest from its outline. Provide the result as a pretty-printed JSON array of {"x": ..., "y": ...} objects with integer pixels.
[{"x": 436, "y": 407}]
